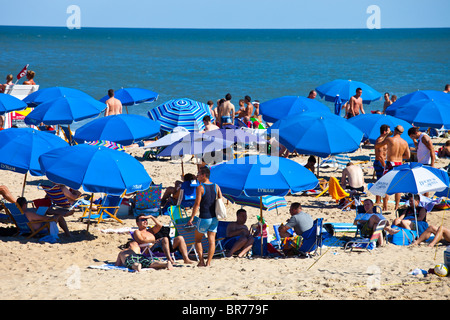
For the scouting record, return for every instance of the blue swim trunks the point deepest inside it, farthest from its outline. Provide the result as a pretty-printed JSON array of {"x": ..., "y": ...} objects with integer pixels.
[
  {"x": 379, "y": 169},
  {"x": 226, "y": 119},
  {"x": 207, "y": 225}
]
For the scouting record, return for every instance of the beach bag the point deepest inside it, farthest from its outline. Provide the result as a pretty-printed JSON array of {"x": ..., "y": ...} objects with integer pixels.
[
  {"x": 221, "y": 210},
  {"x": 403, "y": 238}
]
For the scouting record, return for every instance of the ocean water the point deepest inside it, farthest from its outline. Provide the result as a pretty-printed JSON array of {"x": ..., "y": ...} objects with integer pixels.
[{"x": 206, "y": 64}]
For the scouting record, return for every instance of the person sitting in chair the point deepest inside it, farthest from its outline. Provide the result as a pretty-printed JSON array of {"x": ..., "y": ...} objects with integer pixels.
[
  {"x": 144, "y": 235},
  {"x": 238, "y": 236},
  {"x": 369, "y": 222},
  {"x": 355, "y": 176},
  {"x": 58, "y": 216},
  {"x": 407, "y": 219}
]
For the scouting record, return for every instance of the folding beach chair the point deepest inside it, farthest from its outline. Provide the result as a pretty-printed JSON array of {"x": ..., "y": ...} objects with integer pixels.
[
  {"x": 364, "y": 243},
  {"x": 148, "y": 249},
  {"x": 188, "y": 193},
  {"x": 189, "y": 237},
  {"x": 361, "y": 215},
  {"x": 59, "y": 199},
  {"x": 24, "y": 226},
  {"x": 148, "y": 201},
  {"x": 107, "y": 209},
  {"x": 68, "y": 135}
]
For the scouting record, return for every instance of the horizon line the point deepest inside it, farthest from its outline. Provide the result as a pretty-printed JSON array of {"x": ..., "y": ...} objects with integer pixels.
[{"x": 229, "y": 28}]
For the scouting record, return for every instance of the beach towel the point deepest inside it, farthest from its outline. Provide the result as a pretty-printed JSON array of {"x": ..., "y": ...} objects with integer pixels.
[
  {"x": 109, "y": 266},
  {"x": 335, "y": 190}
]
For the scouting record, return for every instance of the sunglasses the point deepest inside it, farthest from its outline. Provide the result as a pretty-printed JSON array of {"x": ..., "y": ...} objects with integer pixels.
[{"x": 143, "y": 220}]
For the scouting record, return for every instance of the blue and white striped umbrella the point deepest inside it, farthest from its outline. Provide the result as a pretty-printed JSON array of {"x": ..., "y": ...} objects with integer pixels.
[{"x": 183, "y": 112}]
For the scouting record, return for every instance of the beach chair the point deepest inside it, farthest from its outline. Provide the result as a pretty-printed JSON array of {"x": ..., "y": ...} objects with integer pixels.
[
  {"x": 312, "y": 239},
  {"x": 176, "y": 213},
  {"x": 147, "y": 249},
  {"x": 24, "y": 226},
  {"x": 108, "y": 208},
  {"x": 189, "y": 237},
  {"x": 335, "y": 190},
  {"x": 188, "y": 193},
  {"x": 68, "y": 135},
  {"x": 364, "y": 243},
  {"x": 341, "y": 160},
  {"x": 58, "y": 198},
  {"x": 148, "y": 201}
]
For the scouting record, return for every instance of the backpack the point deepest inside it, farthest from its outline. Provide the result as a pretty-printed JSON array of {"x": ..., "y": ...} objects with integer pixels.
[{"x": 403, "y": 238}]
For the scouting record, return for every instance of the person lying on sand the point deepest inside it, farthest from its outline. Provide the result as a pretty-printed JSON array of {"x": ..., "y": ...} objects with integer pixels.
[{"x": 134, "y": 260}]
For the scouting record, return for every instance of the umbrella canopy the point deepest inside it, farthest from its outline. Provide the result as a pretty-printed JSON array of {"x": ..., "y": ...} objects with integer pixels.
[
  {"x": 107, "y": 144},
  {"x": 235, "y": 135},
  {"x": 177, "y": 134},
  {"x": 370, "y": 125},
  {"x": 96, "y": 169},
  {"x": 261, "y": 175},
  {"x": 124, "y": 129},
  {"x": 64, "y": 110},
  {"x": 20, "y": 149},
  {"x": 427, "y": 108},
  {"x": 52, "y": 93},
  {"x": 268, "y": 202},
  {"x": 180, "y": 113},
  {"x": 278, "y": 108},
  {"x": 131, "y": 96},
  {"x": 10, "y": 103},
  {"x": 317, "y": 134},
  {"x": 194, "y": 144},
  {"x": 346, "y": 89},
  {"x": 411, "y": 178}
]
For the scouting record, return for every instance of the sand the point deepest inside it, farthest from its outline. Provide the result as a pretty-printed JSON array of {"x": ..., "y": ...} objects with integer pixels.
[{"x": 33, "y": 270}]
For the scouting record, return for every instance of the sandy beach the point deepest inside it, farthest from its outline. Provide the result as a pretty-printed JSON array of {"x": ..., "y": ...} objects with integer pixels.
[{"x": 33, "y": 270}]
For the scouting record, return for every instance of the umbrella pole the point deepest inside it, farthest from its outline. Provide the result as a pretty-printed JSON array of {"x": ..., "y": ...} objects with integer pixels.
[
  {"x": 90, "y": 212},
  {"x": 261, "y": 224},
  {"x": 415, "y": 217},
  {"x": 24, "y": 183},
  {"x": 182, "y": 168}
]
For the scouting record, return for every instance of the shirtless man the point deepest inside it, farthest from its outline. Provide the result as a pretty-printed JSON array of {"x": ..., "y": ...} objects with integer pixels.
[
  {"x": 226, "y": 112},
  {"x": 248, "y": 110},
  {"x": 58, "y": 216},
  {"x": 387, "y": 102},
  {"x": 113, "y": 105},
  {"x": 355, "y": 177},
  {"x": 355, "y": 106},
  {"x": 134, "y": 260},
  {"x": 208, "y": 125},
  {"x": 397, "y": 150},
  {"x": 380, "y": 161},
  {"x": 147, "y": 235},
  {"x": 242, "y": 236}
]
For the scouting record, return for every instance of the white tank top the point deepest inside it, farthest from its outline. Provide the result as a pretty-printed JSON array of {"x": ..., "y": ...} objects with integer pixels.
[{"x": 423, "y": 153}]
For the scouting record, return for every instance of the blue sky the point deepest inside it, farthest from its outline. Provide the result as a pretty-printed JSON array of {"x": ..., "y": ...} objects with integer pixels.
[{"x": 255, "y": 14}]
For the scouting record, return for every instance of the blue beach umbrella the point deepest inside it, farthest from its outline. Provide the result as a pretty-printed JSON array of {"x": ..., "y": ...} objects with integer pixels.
[
  {"x": 317, "y": 134},
  {"x": 131, "y": 96},
  {"x": 96, "y": 169},
  {"x": 370, "y": 124},
  {"x": 426, "y": 108},
  {"x": 20, "y": 149},
  {"x": 64, "y": 110},
  {"x": 184, "y": 112},
  {"x": 10, "y": 103},
  {"x": 278, "y": 108},
  {"x": 47, "y": 94},
  {"x": 122, "y": 128},
  {"x": 346, "y": 89},
  {"x": 261, "y": 175}
]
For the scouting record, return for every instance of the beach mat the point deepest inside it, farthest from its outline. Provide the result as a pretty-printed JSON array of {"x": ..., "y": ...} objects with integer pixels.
[{"x": 108, "y": 266}]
